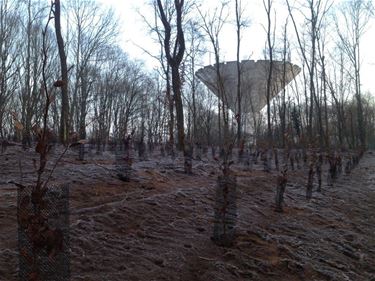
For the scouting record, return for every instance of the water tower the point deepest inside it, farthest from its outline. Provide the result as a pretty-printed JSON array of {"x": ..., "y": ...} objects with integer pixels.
[{"x": 254, "y": 75}]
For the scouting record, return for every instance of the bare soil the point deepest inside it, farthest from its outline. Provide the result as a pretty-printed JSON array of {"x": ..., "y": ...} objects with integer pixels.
[{"x": 158, "y": 226}]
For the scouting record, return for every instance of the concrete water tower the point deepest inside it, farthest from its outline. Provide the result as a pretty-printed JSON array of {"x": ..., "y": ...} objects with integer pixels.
[{"x": 254, "y": 75}]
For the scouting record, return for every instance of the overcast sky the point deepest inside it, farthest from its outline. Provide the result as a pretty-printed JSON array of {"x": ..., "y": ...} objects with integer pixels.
[{"x": 134, "y": 33}]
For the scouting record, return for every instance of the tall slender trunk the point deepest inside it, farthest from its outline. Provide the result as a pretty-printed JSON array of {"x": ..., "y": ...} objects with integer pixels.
[
  {"x": 270, "y": 69},
  {"x": 64, "y": 122},
  {"x": 361, "y": 125},
  {"x": 193, "y": 90},
  {"x": 174, "y": 58},
  {"x": 239, "y": 111},
  {"x": 283, "y": 103},
  {"x": 170, "y": 107},
  {"x": 176, "y": 85}
]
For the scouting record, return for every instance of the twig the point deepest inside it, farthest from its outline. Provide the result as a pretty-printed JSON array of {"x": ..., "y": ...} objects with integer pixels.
[
  {"x": 207, "y": 259},
  {"x": 20, "y": 168},
  {"x": 107, "y": 169},
  {"x": 55, "y": 165}
]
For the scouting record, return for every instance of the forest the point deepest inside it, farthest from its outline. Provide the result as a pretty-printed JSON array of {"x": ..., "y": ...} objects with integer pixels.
[
  {"x": 202, "y": 167},
  {"x": 109, "y": 94}
]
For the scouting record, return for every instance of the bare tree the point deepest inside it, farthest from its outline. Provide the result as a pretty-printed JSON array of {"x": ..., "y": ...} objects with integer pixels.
[
  {"x": 8, "y": 68},
  {"x": 355, "y": 16},
  {"x": 322, "y": 63},
  {"x": 93, "y": 30},
  {"x": 165, "y": 69},
  {"x": 175, "y": 53},
  {"x": 270, "y": 46},
  {"x": 317, "y": 9},
  {"x": 212, "y": 26},
  {"x": 240, "y": 23},
  {"x": 194, "y": 51},
  {"x": 31, "y": 67},
  {"x": 64, "y": 122},
  {"x": 339, "y": 86},
  {"x": 283, "y": 107}
]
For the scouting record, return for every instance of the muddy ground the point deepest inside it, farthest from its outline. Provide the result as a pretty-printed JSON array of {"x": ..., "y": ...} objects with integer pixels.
[{"x": 158, "y": 226}]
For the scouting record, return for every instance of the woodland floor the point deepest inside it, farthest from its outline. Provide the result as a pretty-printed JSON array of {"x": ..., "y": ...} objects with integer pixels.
[{"x": 158, "y": 226}]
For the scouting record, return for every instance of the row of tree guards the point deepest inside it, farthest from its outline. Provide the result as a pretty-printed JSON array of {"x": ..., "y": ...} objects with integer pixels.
[
  {"x": 320, "y": 167},
  {"x": 315, "y": 162}
]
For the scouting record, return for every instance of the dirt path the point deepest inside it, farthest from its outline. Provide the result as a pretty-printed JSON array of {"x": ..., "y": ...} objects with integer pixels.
[{"x": 159, "y": 226}]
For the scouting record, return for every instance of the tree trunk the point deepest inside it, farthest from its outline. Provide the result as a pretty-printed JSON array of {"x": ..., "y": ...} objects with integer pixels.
[
  {"x": 176, "y": 85},
  {"x": 64, "y": 122},
  {"x": 239, "y": 113},
  {"x": 174, "y": 60}
]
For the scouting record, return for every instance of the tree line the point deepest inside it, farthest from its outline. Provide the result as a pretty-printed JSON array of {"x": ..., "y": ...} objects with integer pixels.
[{"x": 107, "y": 95}]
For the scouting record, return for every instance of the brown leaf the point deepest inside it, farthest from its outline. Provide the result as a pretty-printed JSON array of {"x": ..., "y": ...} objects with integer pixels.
[
  {"x": 74, "y": 144},
  {"x": 25, "y": 201},
  {"x": 14, "y": 115},
  {"x": 40, "y": 147},
  {"x": 18, "y": 125},
  {"x": 27, "y": 257},
  {"x": 34, "y": 276},
  {"x": 78, "y": 143},
  {"x": 52, "y": 98},
  {"x": 23, "y": 218},
  {"x": 38, "y": 239},
  {"x": 36, "y": 197},
  {"x": 18, "y": 184},
  {"x": 58, "y": 83},
  {"x": 54, "y": 242},
  {"x": 37, "y": 130}
]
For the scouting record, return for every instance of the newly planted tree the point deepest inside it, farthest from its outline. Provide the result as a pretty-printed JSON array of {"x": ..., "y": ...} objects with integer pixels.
[{"x": 43, "y": 227}]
